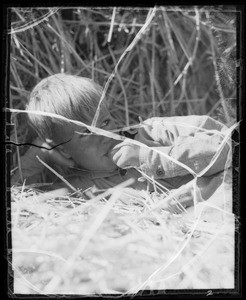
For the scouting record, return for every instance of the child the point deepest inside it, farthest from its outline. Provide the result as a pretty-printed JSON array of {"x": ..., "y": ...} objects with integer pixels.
[{"x": 178, "y": 147}]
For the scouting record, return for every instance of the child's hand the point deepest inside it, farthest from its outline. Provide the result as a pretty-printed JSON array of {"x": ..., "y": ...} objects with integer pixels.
[
  {"x": 125, "y": 155},
  {"x": 181, "y": 202}
]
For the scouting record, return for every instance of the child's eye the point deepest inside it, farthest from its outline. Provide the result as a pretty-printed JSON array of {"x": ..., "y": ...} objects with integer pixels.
[
  {"x": 85, "y": 133},
  {"x": 105, "y": 123}
]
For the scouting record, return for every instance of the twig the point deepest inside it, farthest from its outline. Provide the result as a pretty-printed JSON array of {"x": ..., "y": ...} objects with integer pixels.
[
  {"x": 33, "y": 23},
  {"x": 57, "y": 174},
  {"x": 111, "y": 25}
]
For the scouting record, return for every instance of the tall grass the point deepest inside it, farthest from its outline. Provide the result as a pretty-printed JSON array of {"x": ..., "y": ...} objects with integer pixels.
[
  {"x": 151, "y": 62},
  {"x": 172, "y": 70}
]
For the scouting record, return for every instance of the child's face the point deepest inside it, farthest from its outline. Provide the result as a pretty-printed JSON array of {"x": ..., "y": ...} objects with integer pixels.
[{"x": 90, "y": 151}]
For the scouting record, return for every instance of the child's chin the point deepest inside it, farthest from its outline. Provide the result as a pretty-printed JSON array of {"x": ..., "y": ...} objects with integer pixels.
[
  {"x": 109, "y": 165},
  {"x": 102, "y": 165}
]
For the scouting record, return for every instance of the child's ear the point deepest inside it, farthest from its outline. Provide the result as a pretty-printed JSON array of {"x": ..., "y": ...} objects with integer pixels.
[
  {"x": 59, "y": 149},
  {"x": 59, "y": 155}
]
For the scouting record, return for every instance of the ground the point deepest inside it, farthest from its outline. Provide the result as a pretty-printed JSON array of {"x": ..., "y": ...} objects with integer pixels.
[{"x": 71, "y": 246}]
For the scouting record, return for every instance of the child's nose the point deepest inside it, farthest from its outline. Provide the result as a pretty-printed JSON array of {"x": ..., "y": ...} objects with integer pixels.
[{"x": 105, "y": 140}]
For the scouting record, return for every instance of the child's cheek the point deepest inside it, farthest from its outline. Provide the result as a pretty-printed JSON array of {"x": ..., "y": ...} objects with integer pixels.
[{"x": 112, "y": 152}]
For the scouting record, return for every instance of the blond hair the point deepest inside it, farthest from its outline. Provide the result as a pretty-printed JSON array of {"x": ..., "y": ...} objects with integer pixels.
[{"x": 70, "y": 96}]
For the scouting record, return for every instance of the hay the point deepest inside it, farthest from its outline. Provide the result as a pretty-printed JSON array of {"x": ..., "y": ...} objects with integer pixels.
[{"x": 131, "y": 247}]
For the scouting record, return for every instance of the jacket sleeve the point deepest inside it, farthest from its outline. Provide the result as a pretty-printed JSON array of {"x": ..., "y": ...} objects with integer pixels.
[{"x": 182, "y": 145}]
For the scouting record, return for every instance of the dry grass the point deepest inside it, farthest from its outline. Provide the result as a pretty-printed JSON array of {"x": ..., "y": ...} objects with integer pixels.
[
  {"x": 122, "y": 245},
  {"x": 68, "y": 245}
]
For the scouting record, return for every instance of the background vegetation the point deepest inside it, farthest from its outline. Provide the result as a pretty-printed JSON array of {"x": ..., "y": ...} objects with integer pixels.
[{"x": 183, "y": 63}]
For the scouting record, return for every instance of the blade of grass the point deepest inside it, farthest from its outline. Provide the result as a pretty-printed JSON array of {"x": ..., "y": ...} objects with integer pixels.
[
  {"x": 57, "y": 174},
  {"x": 152, "y": 73},
  {"x": 111, "y": 26},
  {"x": 123, "y": 90},
  {"x": 34, "y": 23}
]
